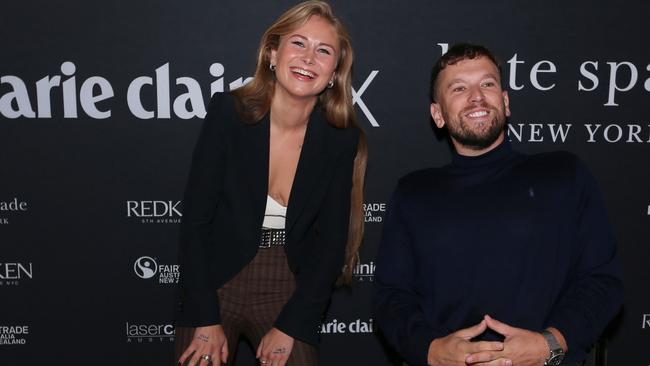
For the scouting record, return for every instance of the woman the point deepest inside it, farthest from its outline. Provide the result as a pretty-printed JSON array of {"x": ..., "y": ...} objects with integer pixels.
[{"x": 285, "y": 144}]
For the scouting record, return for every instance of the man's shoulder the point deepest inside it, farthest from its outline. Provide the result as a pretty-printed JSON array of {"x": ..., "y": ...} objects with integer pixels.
[
  {"x": 552, "y": 162},
  {"x": 423, "y": 179}
]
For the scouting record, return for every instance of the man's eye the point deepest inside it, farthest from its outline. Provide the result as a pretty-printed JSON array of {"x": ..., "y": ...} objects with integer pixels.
[
  {"x": 458, "y": 89},
  {"x": 488, "y": 84}
]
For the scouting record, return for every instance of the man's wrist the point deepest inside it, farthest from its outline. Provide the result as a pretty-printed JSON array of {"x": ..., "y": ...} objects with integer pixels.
[
  {"x": 559, "y": 337},
  {"x": 555, "y": 352}
]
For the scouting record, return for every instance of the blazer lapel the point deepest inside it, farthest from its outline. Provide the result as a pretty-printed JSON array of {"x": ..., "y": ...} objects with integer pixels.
[
  {"x": 255, "y": 172},
  {"x": 311, "y": 164}
]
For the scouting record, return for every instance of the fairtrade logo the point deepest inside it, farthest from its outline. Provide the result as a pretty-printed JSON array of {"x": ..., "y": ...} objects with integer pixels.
[
  {"x": 11, "y": 335},
  {"x": 374, "y": 211},
  {"x": 145, "y": 267},
  {"x": 11, "y": 207}
]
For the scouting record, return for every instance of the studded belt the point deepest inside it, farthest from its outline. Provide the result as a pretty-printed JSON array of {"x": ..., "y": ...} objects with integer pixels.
[{"x": 272, "y": 237}]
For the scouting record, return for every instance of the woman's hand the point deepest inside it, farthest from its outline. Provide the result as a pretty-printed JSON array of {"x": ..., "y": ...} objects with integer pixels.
[
  {"x": 210, "y": 341},
  {"x": 275, "y": 348}
]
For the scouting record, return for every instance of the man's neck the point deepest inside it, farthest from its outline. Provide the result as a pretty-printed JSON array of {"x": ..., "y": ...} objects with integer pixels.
[{"x": 472, "y": 152}]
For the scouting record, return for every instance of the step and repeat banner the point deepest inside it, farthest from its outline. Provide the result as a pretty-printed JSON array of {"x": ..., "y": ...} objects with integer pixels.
[{"x": 101, "y": 104}]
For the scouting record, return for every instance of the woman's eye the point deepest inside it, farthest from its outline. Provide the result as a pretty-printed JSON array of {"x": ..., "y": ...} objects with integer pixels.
[
  {"x": 298, "y": 43},
  {"x": 325, "y": 51}
]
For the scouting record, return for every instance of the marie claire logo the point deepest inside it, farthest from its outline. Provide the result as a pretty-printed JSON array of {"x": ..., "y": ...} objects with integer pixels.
[
  {"x": 146, "y": 268},
  {"x": 364, "y": 272},
  {"x": 11, "y": 273},
  {"x": 155, "y": 212},
  {"x": 13, "y": 334},
  {"x": 646, "y": 321},
  {"x": 374, "y": 211},
  {"x": 149, "y": 333},
  {"x": 10, "y": 207},
  {"x": 341, "y": 327},
  {"x": 180, "y": 97}
]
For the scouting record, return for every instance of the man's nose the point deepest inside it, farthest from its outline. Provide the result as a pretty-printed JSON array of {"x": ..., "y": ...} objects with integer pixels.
[{"x": 476, "y": 94}]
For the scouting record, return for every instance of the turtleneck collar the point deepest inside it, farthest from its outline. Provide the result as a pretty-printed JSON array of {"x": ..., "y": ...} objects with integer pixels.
[{"x": 499, "y": 153}]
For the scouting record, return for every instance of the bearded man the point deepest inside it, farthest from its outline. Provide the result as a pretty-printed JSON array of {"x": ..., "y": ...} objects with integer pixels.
[{"x": 498, "y": 258}]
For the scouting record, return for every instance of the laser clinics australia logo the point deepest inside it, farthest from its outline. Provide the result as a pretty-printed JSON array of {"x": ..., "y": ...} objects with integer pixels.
[
  {"x": 374, "y": 211},
  {"x": 13, "y": 334},
  {"x": 13, "y": 273},
  {"x": 147, "y": 268},
  {"x": 364, "y": 272},
  {"x": 149, "y": 333},
  {"x": 645, "y": 324},
  {"x": 181, "y": 97},
  {"x": 357, "y": 326},
  {"x": 154, "y": 212},
  {"x": 10, "y": 208}
]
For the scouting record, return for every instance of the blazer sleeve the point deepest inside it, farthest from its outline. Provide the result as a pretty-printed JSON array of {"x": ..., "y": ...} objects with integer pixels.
[
  {"x": 302, "y": 314},
  {"x": 198, "y": 304}
]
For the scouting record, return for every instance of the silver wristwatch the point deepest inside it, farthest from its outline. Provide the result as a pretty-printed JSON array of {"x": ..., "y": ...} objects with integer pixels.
[{"x": 556, "y": 355}]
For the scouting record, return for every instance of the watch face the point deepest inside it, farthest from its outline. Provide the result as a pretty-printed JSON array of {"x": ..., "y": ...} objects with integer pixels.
[{"x": 555, "y": 359}]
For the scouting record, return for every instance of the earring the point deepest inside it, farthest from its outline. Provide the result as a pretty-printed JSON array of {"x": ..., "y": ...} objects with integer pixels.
[
  {"x": 271, "y": 67},
  {"x": 330, "y": 84}
]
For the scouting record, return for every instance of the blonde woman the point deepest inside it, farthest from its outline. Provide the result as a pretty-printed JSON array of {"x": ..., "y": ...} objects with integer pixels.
[{"x": 273, "y": 205}]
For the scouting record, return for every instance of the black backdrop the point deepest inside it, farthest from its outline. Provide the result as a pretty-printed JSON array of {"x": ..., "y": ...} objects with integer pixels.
[{"x": 101, "y": 103}]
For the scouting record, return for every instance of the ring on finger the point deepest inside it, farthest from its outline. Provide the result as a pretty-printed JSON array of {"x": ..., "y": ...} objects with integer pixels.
[{"x": 206, "y": 357}]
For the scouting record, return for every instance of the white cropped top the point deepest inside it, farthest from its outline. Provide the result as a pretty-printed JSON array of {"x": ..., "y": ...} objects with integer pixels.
[{"x": 275, "y": 214}]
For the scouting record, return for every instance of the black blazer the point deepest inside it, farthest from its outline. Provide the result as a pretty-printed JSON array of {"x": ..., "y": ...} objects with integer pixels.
[{"x": 224, "y": 206}]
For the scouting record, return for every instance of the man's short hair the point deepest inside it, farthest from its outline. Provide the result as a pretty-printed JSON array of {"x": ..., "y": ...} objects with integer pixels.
[{"x": 456, "y": 53}]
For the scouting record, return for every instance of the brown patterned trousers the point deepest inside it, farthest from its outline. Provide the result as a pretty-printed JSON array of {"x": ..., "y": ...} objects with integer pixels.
[{"x": 250, "y": 303}]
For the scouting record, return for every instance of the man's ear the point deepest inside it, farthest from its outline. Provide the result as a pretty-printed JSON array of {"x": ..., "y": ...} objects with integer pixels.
[
  {"x": 506, "y": 103},
  {"x": 436, "y": 114}
]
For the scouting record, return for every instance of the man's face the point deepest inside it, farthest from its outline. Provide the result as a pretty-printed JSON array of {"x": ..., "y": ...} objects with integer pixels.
[{"x": 471, "y": 103}]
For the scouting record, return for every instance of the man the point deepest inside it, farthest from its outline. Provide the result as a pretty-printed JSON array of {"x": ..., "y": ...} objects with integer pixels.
[{"x": 499, "y": 258}]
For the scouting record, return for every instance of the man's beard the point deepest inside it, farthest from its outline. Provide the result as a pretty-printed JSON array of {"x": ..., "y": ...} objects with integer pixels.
[{"x": 478, "y": 138}]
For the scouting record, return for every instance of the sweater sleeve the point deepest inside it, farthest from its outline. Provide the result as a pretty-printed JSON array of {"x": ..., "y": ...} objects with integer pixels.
[
  {"x": 594, "y": 293},
  {"x": 396, "y": 301},
  {"x": 198, "y": 304}
]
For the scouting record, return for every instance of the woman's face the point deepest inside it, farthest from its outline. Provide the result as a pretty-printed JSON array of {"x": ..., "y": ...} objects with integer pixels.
[{"x": 306, "y": 59}]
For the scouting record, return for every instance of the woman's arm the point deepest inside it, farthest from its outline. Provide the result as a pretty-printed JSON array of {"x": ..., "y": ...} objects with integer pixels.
[
  {"x": 319, "y": 269},
  {"x": 198, "y": 305}
]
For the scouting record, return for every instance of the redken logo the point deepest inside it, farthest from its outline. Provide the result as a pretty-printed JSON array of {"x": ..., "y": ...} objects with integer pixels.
[
  {"x": 155, "y": 212},
  {"x": 12, "y": 273}
]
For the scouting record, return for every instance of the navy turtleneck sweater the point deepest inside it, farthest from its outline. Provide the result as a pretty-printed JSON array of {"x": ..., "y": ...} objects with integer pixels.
[{"x": 523, "y": 238}]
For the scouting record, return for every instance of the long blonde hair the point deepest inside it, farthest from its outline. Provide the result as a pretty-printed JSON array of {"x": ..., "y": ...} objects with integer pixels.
[{"x": 254, "y": 102}]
